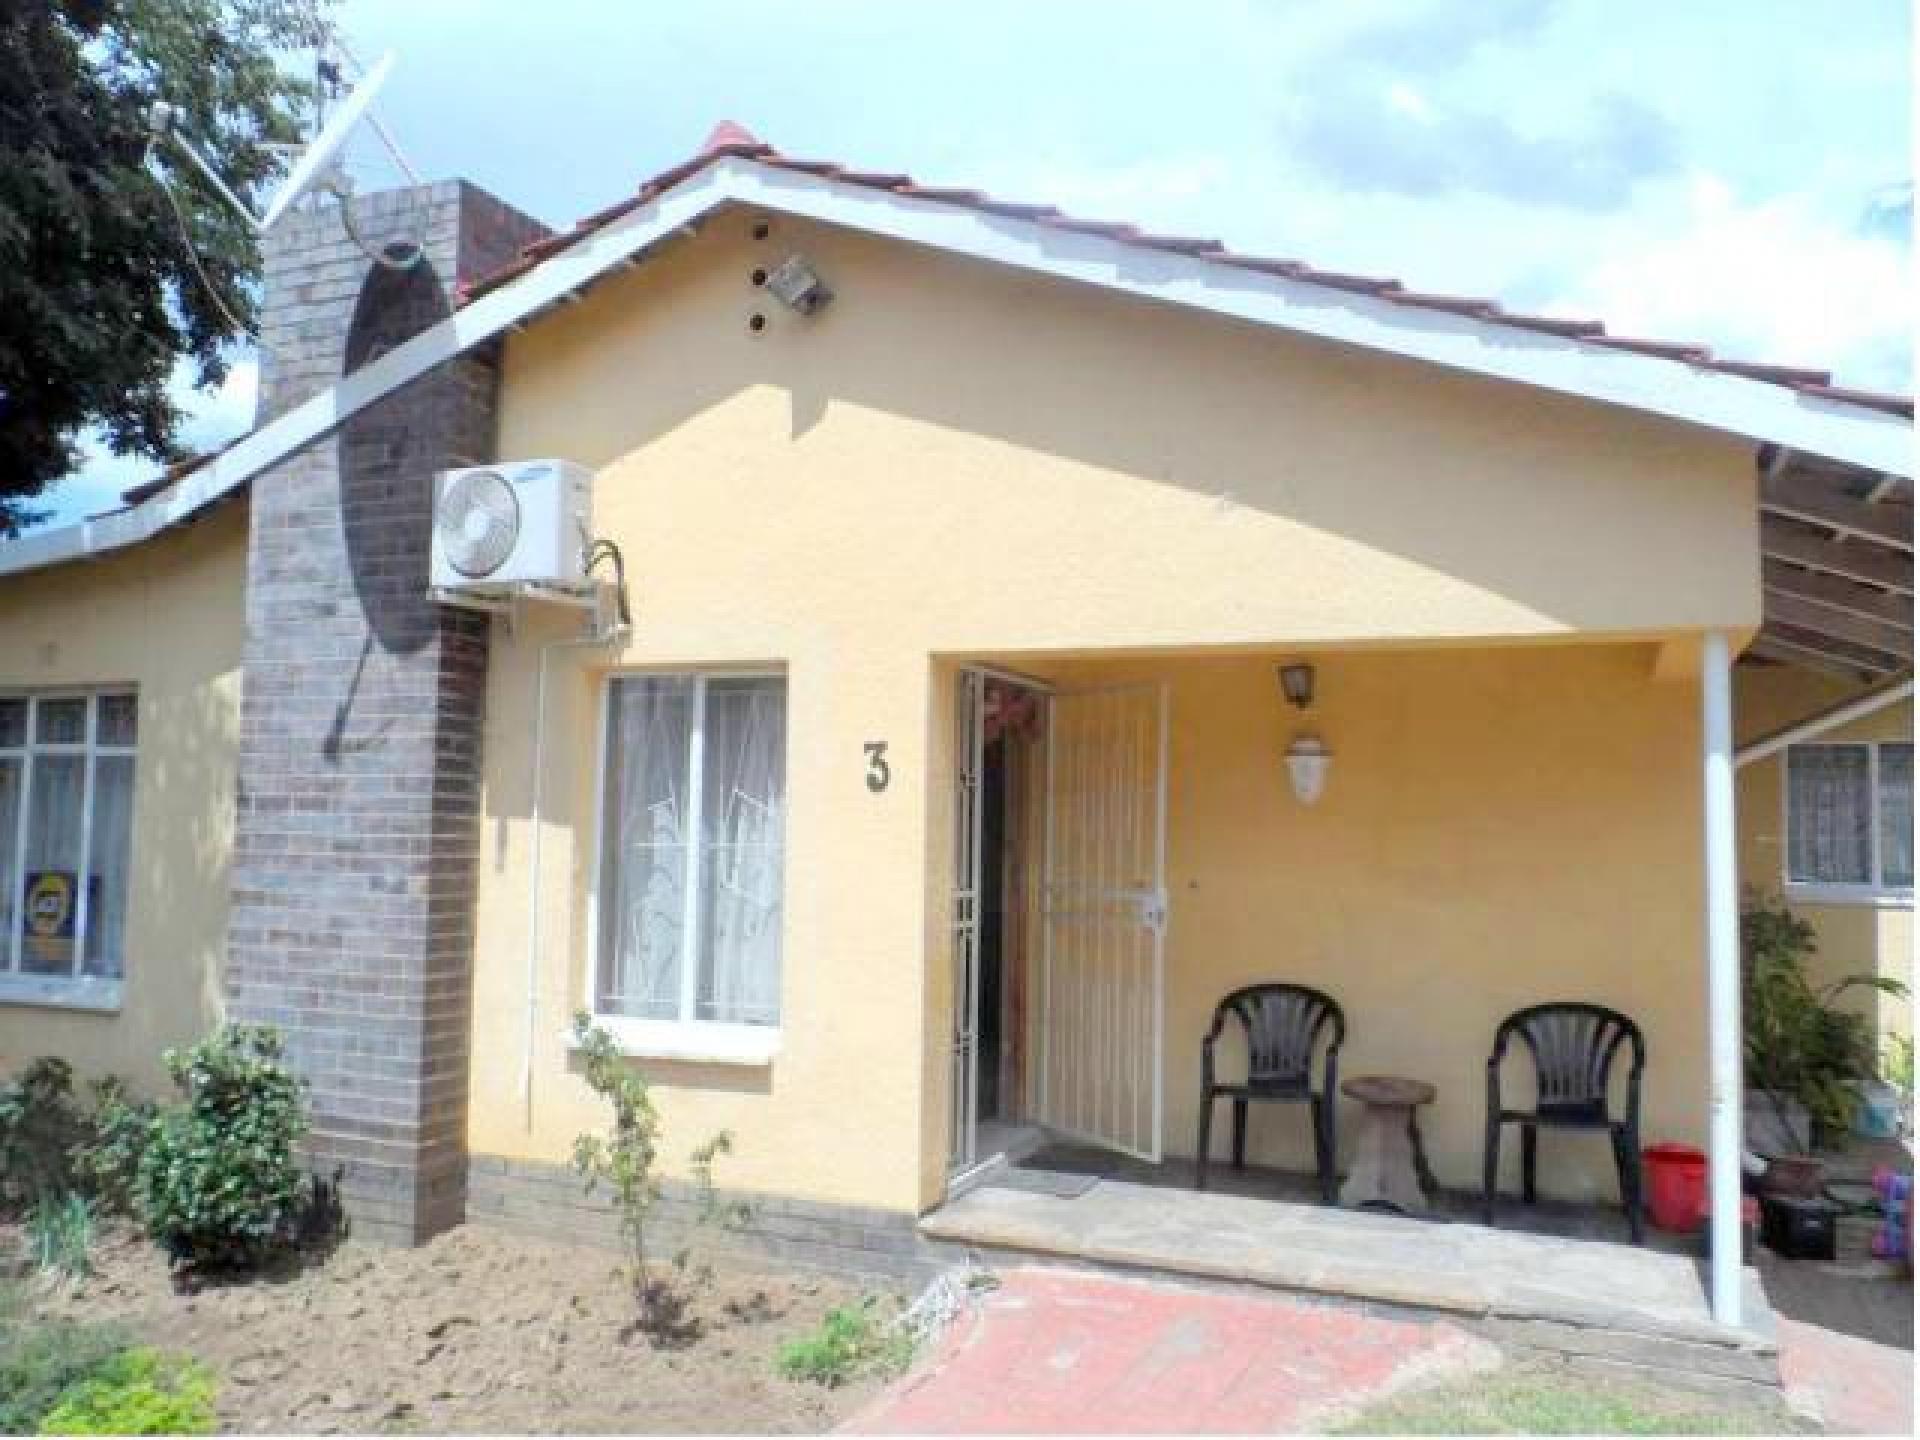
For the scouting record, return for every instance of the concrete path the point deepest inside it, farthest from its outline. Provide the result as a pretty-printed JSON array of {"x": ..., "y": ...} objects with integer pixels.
[
  {"x": 1066, "y": 1352},
  {"x": 1849, "y": 1385},
  {"x": 1460, "y": 1269}
]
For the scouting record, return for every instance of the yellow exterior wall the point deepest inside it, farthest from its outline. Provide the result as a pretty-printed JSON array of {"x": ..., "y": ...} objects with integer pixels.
[
  {"x": 1854, "y": 939},
  {"x": 1500, "y": 828},
  {"x": 952, "y": 460},
  {"x": 167, "y": 616}
]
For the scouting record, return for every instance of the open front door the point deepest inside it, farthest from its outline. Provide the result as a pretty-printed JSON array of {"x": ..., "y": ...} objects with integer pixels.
[{"x": 1103, "y": 917}]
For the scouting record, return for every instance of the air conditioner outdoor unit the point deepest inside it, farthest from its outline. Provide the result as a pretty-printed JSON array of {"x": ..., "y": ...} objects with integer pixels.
[{"x": 517, "y": 526}]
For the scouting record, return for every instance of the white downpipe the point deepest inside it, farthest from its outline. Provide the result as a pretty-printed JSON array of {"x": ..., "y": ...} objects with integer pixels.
[
  {"x": 1723, "y": 976},
  {"x": 596, "y": 637}
]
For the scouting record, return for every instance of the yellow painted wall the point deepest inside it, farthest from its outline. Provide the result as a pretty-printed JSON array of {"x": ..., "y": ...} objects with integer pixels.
[
  {"x": 954, "y": 459},
  {"x": 167, "y": 616},
  {"x": 1501, "y": 828},
  {"x": 1853, "y": 938}
]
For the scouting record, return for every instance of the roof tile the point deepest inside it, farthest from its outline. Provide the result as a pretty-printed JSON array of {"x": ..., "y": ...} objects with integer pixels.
[{"x": 731, "y": 139}]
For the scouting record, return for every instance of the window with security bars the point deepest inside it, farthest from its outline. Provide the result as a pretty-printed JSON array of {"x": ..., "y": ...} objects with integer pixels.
[
  {"x": 693, "y": 849},
  {"x": 66, "y": 836},
  {"x": 1850, "y": 817}
]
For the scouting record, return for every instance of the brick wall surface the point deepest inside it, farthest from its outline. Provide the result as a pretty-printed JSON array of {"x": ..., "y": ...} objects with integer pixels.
[{"x": 356, "y": 835}]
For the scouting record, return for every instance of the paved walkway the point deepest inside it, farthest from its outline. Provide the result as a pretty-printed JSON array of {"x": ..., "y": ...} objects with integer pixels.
[
  {"x": 1073, "y": 1353},
  {"x": 1849, "y": 1385}
]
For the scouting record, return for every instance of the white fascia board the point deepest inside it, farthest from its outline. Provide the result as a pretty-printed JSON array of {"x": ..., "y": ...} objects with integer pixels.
[
  {"x": 1750, "y": 408},
  {"x": 1755, "y": 409},
  {"x": 325, "y": 412}
]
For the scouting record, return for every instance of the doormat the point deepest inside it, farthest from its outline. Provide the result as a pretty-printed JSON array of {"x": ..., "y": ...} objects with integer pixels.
[{"x": 1057, "y": 1183}]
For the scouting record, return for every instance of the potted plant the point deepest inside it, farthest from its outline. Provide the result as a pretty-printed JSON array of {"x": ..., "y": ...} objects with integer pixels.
[{"x": 1805, "y": 1055}]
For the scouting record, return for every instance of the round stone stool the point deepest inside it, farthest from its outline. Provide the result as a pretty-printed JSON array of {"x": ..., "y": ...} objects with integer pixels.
[{"x": 1389, "y": 1162}]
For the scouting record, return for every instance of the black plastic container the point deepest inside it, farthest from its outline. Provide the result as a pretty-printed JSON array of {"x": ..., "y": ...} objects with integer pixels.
[{"x": 1798, "y": 1229}]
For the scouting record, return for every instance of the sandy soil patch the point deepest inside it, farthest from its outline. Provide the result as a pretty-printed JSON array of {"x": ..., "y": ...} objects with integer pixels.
[{"x": 479, "y": 1331}]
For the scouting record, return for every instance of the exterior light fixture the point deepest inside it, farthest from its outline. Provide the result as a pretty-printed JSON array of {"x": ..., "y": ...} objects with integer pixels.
[
  {"x": 798, "y": 286},
  {"x": 1308, "y": 761},
  {"x": 1296, "y": 683}
]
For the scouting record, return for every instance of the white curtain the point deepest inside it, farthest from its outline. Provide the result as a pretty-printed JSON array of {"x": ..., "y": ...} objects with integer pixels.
[
  {"x": 1829, "y": 812},
  {"x": 743, "y": 851},
  {"x": 112, "y": 845},
  {"x": 650, "y": 824},
  {"x": 10, "y": 883},
  {"x": 53, "y": 849},
  {"x": 1896, "y": 814}
]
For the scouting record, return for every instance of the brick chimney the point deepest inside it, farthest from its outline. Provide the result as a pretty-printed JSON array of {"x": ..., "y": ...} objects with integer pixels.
[{"x": 356, "y": 833}]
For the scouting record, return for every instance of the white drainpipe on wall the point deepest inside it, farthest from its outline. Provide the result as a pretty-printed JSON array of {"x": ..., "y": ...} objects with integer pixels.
[
  {"x": 1723, "y": 976},
  {"x": 599, "y": 633}
]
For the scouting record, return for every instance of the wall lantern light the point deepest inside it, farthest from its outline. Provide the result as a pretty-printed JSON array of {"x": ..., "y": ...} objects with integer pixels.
[
  {"x": 1308, "y": 761},
  {"x": 1296, "y": 683}
]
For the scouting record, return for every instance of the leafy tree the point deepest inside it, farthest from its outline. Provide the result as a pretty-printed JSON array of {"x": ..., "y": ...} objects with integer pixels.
[{"x": 100, "y": 291}]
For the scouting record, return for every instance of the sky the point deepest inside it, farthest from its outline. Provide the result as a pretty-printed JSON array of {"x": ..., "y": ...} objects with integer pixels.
[{"x": 1731, "y": 171}]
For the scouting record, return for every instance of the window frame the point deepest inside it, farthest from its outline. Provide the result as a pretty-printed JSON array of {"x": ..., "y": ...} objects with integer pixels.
[
  {"x": 74, "y": 990},
  {"x": 685, "y": 1037},
  {"x": 1871, "y": 892}
]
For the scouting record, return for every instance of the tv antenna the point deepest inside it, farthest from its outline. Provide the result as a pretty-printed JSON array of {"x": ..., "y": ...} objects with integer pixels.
[{"x": 317, "y": 166}]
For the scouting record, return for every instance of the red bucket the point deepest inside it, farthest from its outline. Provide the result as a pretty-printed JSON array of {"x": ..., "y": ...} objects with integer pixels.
[{"x": 1676, "y": 1185}]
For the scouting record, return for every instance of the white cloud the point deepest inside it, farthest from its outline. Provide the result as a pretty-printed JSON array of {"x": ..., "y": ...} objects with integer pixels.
[{"x": 1774, "y": 280}]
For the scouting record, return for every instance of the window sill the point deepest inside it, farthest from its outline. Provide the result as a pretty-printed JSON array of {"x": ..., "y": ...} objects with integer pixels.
[
  {"x": 698, "y": 1043},
  {"x": 61, "y": 992},
  {"x": 1869, "y": 896}
]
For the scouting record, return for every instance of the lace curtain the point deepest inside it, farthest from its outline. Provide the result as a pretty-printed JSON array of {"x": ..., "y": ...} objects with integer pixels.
[
  {"x": 1832, "y": 809},
  {"x": 663, "y": 835}
]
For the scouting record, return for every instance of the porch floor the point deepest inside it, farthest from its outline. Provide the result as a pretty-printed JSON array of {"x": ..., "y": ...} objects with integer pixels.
[{"x": 1089, "y": 1207}]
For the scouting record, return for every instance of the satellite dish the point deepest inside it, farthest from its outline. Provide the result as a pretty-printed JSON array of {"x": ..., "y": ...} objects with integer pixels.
[
  {"x": 317, "y": 163},
  {"x": 312, "y": 165}
]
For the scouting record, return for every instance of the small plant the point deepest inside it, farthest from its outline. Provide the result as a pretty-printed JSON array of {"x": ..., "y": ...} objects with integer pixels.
[
  {"x": 108, "y": 1162},
  {"x": 59, "y": 1235},
  {"x": 41, "y": 1360},
  {"x": 42, "y": 1126},
  {"x": 1799, "y": 1044},
  {"x": 220, "y": 1187},
  {"x": 623, "y": 1162},
  {"x": 138, "y": 1392},
  {"x": 851, "y": 1340}
]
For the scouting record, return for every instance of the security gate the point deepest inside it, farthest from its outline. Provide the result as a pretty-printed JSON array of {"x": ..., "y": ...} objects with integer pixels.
[
  {"x": 1103, "y": 917},
  {"x": 963, "y": 1088}
]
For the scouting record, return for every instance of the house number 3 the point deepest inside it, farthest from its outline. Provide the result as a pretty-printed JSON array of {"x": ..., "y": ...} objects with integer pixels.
[{"x": 878, "y": 771}]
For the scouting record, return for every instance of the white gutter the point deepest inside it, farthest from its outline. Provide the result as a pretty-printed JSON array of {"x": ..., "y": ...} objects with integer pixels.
[
  {"x": 1752, "y": 409},
  {"x": 1842, "y": 714}
]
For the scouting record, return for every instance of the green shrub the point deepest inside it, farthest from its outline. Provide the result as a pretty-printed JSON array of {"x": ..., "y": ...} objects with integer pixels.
[
  {"x": 108, "y": 1163},
  {"x": 138, "y": 1392},
  {"x": 41, "y": 1361},
  {"x": 60, "y": 1233},
  {"x": 42, "y": 1126},
  {"x": 1799, "y": 1044},
  {"x": 851, "y": 1340},
  {"x": 220, "y": 1187}
]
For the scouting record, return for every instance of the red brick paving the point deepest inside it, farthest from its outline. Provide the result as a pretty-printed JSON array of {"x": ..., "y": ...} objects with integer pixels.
[
  {"x": 1070, "y": 1353},
  {"x": 1855, "y": 1386}
]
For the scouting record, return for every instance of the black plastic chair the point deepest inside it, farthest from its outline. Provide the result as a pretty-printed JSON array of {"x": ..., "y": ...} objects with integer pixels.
[
  {"x": 1573, "y": 1046},
  {"x": 1283, "y": 1025}
]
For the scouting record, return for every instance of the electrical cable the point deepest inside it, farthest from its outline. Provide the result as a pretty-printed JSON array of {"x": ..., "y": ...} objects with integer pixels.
[{"x": 600, "y": 550}]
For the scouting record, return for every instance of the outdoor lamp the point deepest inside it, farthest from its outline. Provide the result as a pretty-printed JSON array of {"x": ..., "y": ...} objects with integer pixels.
[
  {"x": 1308, "y": 761},
  {"x": 1296, "y": 683}
]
